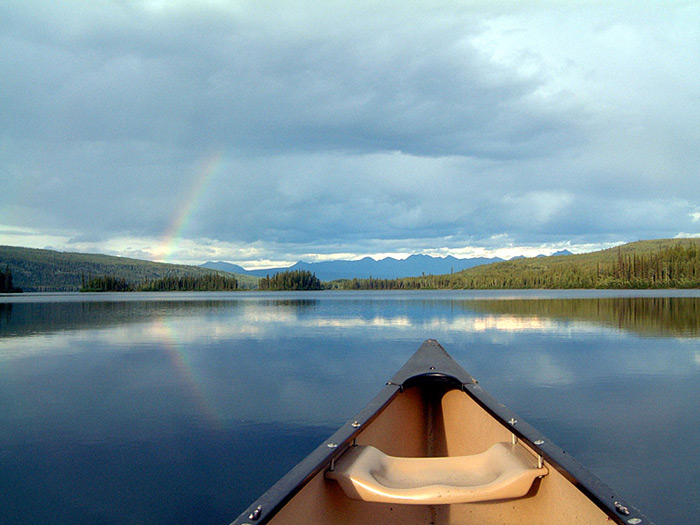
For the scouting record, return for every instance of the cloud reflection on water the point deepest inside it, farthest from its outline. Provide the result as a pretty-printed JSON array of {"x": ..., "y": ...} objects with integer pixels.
[{"x": 585, "y": 372}]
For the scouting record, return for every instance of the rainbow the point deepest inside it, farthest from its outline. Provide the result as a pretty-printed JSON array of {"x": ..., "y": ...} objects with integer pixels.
[
  {"x": 180, "y": 360},
  {"x": 206, "y": 174}
]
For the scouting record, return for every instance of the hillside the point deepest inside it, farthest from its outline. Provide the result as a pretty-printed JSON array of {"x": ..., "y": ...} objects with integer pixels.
[
  {"x": 36, "y": 270},
  {"x": 641, "y": 264},
  {"x": 662, "y": 263}
]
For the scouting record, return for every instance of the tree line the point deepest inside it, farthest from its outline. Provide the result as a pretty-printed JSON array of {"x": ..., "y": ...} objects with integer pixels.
[
  {"x": 289, "y": 280},
  {"x": 172, "y": 283}
]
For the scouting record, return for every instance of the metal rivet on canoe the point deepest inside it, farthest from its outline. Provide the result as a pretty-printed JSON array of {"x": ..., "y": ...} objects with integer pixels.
[
  {"x": 539, "y": 442},
  {"x": 332, "y": 445},
  {"x": 255, "y": 515},
  {"x": 356, "y": 424},
  {"x": 432, "y": 368},
  {"x": 634, "y": 521},
  {"x": 619, "y": 507},
  {"x": 512, "y": 421}
]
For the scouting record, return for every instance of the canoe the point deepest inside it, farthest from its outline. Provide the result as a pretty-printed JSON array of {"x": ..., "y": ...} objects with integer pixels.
[{"x": 434, "y": 447}]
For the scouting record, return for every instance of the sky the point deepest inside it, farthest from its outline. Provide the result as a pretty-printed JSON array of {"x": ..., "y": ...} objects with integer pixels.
[{"x": 263, "y": 133}]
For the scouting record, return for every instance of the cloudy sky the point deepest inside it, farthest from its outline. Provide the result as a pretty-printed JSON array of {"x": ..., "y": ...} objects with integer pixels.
[{"x": 263, "y": 133}]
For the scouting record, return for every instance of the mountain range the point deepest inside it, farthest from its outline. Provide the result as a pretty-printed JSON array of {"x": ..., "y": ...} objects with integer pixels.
[{"x": 387, "y": 268}]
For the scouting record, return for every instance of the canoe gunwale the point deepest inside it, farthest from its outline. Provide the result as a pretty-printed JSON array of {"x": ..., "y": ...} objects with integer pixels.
[
  {"x": 431, "y": 365},
  {"x": 597, "y": 491},
  {"x": 319, "y": 460}
]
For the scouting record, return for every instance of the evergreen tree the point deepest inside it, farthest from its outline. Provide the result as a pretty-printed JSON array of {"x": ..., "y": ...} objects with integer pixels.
[
  {"x": 291, "y": 280},
  {"x": 6, "y": 284}
]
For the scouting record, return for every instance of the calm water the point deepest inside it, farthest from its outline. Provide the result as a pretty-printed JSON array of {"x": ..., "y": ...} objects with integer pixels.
[{"x": 182, "y": 408}]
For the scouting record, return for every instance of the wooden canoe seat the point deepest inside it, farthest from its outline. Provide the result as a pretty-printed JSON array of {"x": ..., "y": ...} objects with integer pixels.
[{"x": 503, "y": 471}]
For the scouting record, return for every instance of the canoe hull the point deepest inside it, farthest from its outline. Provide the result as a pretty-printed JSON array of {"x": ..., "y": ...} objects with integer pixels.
[{"x": 433, "y": 408}]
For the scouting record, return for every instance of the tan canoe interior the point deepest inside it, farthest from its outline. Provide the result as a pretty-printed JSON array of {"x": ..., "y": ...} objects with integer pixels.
[{"x": 460, "y": 427}]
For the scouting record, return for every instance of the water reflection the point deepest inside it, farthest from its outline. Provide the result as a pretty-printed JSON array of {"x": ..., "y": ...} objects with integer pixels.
[
  {"x": 200, "y": 388},
  {"x": 651, "y": 316},
  {"x": 5, "y": 314}
]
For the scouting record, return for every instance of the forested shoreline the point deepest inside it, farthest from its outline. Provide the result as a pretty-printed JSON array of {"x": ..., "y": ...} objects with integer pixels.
[
  {"x": 654, "y": 264},
  {"x": 291, "y": 280},
  {"x": 676, "y": 266},
  {"x": 174, "y": 283}
]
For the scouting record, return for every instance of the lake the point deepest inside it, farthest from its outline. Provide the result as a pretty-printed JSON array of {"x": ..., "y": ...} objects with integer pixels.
[{"x": 183, "y": 408}]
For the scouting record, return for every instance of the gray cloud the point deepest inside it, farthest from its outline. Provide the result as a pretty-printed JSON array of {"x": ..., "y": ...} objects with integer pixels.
[
  {"x": 270, "y": 84},
  {"x": 351, "y": 128}
]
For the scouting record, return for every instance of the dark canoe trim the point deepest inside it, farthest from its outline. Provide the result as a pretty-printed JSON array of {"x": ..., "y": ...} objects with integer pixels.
[
  {"x": 320, "y": 459},
  {"x": 430, "y": 364}
]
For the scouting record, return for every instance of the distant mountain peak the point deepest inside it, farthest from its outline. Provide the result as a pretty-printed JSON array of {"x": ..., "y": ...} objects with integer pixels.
[
  {"x": 387, "y": 268},
  {"x": 224, "y": 267},
  {"x": 555, "y": 254}
]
